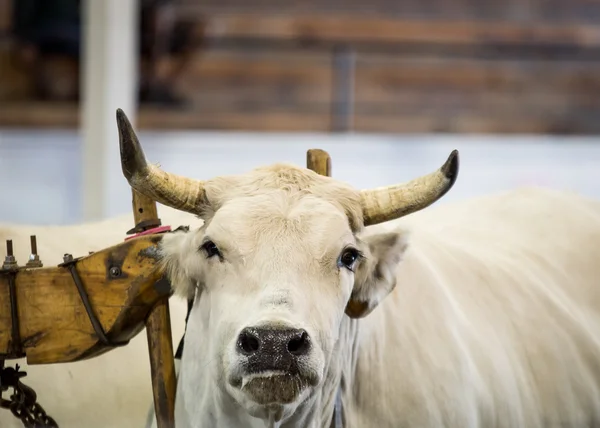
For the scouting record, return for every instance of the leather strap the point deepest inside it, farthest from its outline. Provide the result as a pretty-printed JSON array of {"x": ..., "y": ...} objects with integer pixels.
[{"x": 179, "y": 351}]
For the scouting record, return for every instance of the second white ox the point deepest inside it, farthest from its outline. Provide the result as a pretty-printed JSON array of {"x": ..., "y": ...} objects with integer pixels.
[{"x": 487, "y": 316}]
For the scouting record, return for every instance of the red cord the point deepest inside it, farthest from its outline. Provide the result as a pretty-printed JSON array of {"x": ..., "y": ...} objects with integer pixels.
[{"x": 159, "y": 229}]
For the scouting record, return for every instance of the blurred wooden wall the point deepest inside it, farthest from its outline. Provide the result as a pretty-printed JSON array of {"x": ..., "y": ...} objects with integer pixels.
[{"x": 527, "y": 66}]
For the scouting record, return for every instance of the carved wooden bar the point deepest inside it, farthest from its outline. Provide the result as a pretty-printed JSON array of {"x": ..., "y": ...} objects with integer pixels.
[{"x": 54, "y": 325}]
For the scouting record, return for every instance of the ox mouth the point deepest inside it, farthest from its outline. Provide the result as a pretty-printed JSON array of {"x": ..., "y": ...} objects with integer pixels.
[{"x": 273, "y": 387}]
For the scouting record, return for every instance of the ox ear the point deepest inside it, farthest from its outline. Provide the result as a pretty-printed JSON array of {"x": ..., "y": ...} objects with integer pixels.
[
  {"x": 173, "y": 248},
  {"x": 375, "y": 278}
]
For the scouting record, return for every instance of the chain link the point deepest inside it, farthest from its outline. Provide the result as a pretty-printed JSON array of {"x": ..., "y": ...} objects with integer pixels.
[{"x": 23, "y": 402}]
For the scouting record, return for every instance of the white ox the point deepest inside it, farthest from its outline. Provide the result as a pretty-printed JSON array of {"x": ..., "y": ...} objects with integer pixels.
[
  {"x": 487, "y": 315},
  {"x": 483, "y": 313}
]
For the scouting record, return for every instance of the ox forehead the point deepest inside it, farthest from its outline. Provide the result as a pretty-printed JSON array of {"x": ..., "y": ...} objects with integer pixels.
[{"x": 308, "y": 223}]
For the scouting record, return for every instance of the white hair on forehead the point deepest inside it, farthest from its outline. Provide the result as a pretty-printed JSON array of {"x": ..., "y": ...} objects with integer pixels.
[
  {"x": 287, "y": 181},
  {"x": 276, "y": 215}
]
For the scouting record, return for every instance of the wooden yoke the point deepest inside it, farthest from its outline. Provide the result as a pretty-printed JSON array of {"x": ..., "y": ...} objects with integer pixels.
[
  {"x": 119, "y": 284},
  {"x": 319, "y": 161},
  {"x": 158, "y": 329}
]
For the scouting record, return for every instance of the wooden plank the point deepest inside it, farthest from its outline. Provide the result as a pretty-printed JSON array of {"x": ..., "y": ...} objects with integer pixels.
[
  {"x": 348, "y": 28},
  {"x": 64, "y": 115},
  {"x": 480, "y": 123},
  {"x": 379, "y": 75},
  {"x": 273, "y": 121},
  {"x": 28, "y": 114},
  {"x": 508, "y": 10}
]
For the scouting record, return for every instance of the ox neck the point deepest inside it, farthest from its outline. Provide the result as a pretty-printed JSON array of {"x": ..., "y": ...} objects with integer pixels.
[{"x": 338, "y": 379}]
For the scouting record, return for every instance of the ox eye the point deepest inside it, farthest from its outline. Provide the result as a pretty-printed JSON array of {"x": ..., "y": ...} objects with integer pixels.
[
  {"x": 211, "y": 249},
  {"x": 348, "y": 258}
]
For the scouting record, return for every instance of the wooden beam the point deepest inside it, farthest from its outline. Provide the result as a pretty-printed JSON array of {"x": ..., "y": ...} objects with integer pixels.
[
  {"x": 319, "y": 161},
  {"x": 364, "y": 29},
  {"x": 158, "y": 330}
]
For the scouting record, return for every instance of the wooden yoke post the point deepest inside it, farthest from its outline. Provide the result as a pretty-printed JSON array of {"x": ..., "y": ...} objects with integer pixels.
[
  {"x": 319, "y": 161},
  {"x": 158, "y": 330}
]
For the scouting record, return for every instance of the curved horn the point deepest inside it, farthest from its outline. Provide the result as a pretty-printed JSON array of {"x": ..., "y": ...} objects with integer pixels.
[
  {"x": 175, "y": 191},
  {"x": 391, "y": 202}
]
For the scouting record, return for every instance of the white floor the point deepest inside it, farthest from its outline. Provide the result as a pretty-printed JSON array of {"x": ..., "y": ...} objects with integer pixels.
[{"x": 40, "y": 171}]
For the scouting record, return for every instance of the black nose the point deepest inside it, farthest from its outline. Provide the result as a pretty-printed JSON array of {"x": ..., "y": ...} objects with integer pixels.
[{"x": 273, "y": 349}]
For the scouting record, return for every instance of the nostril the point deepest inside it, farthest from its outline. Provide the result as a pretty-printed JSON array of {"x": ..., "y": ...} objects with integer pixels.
[
  {"x": 248, "y": 342},
  {"x": 299, "y": 345}
]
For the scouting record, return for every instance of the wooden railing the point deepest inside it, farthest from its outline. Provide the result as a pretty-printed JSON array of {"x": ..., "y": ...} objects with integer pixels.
[{"x": 374, "y": 73}]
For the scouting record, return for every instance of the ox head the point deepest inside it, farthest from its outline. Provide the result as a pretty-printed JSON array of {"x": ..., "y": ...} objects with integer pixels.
[{"x": 281, "y": 259}]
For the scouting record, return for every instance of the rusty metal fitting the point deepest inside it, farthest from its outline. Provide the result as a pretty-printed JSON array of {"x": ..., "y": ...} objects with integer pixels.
[
  {"x": 34, "y": 259},
  {"x": 9, "y": 261}
]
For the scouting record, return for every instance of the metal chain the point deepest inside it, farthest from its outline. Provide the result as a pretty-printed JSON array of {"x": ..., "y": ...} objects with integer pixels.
[{"x": 23, "y": 402}]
